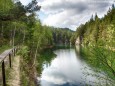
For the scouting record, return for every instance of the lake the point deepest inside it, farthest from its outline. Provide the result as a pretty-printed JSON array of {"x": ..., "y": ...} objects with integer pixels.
[{"x": 69, "y": 69}]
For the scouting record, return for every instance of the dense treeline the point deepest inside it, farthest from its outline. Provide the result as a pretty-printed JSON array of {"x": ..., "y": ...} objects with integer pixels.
[
  {"x": 19, "y": 25},
  {"x": 98, "y": 31},
  {"x": 62, "y": 35},
  {"x": 97, "y": 37}
]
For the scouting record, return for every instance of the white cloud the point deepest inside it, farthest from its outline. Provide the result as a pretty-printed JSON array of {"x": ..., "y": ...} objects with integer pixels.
[
  {"x": 71, "y": 13},
  {"x": 62, "y": 71},
  {"x": 25, "y": 2}
]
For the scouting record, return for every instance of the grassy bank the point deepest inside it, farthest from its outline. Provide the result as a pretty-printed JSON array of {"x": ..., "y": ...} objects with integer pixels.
[
  {"x": 29, "y": 71},
  {"x": 3, "y": 48}
]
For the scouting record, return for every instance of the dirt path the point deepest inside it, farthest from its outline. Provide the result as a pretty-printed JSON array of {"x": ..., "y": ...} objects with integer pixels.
[{"x": 14, "y": 76}]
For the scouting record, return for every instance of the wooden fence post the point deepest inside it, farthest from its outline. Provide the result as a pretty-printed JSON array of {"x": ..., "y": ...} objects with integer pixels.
[
  {"x": 3, "y": 74},
  {"x": 14, "y": 51},
  {"x": 10, "y": 60},
  {"x": 11, "y": 53}
]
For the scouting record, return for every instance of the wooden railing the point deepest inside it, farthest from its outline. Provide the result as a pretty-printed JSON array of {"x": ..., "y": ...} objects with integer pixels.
[{"x": 7, "y": 54}]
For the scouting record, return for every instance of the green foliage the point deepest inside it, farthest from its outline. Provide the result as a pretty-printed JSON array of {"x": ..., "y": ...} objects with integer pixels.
[
  {"x": 46, "y": 56},
  {"x": 100, "y": 59},
  {"x": 14, "y": 10},
  {"x": 98, "y": 38},
  {"x": 19, "y": 26},
  {"x": 24, "y": 51},
  {"x": 3, "y": 48},
  {"x": 62, "y": 35},
  {"x": 5, "y": 7},
  {"x": 98, "y": 31}
]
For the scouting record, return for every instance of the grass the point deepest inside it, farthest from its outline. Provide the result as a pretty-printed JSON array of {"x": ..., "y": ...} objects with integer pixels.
[
  {"x": 14, "y": 71},
  {"x": 3, "y": 48}
]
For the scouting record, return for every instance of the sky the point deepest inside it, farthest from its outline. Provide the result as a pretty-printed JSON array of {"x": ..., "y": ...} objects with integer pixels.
[{"x": 70, "y": 13}]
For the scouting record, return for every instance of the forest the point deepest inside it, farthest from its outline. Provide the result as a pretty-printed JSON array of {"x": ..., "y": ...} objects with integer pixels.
[
  {"x": 98, "y": 31},
  {"x": 20, "y": 26},
  {"x": 97, "y": 39}
]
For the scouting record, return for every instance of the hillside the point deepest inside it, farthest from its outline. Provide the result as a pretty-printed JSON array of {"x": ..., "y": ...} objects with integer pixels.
[{"x": 98, "y": 31}]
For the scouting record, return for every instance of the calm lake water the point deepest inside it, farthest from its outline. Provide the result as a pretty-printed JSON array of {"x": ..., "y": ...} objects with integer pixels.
[{"x": 68, "y": 69}]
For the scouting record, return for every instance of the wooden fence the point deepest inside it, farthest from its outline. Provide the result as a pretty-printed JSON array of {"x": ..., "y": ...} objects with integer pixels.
[{"x": 7, "y": 54}]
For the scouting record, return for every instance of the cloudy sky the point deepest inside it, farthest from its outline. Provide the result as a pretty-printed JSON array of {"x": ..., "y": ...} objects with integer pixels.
[{"x": 70, "y": 13}]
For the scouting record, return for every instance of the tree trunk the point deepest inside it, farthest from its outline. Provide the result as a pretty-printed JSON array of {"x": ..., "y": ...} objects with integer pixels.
[
  {"x": 24, "y": 37},
  {"x": 36, "y": 53},
  {"x": 14, "y": 36},
  {"x": 2, "y": 30},
  {"x": 11, "y": 37}
]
